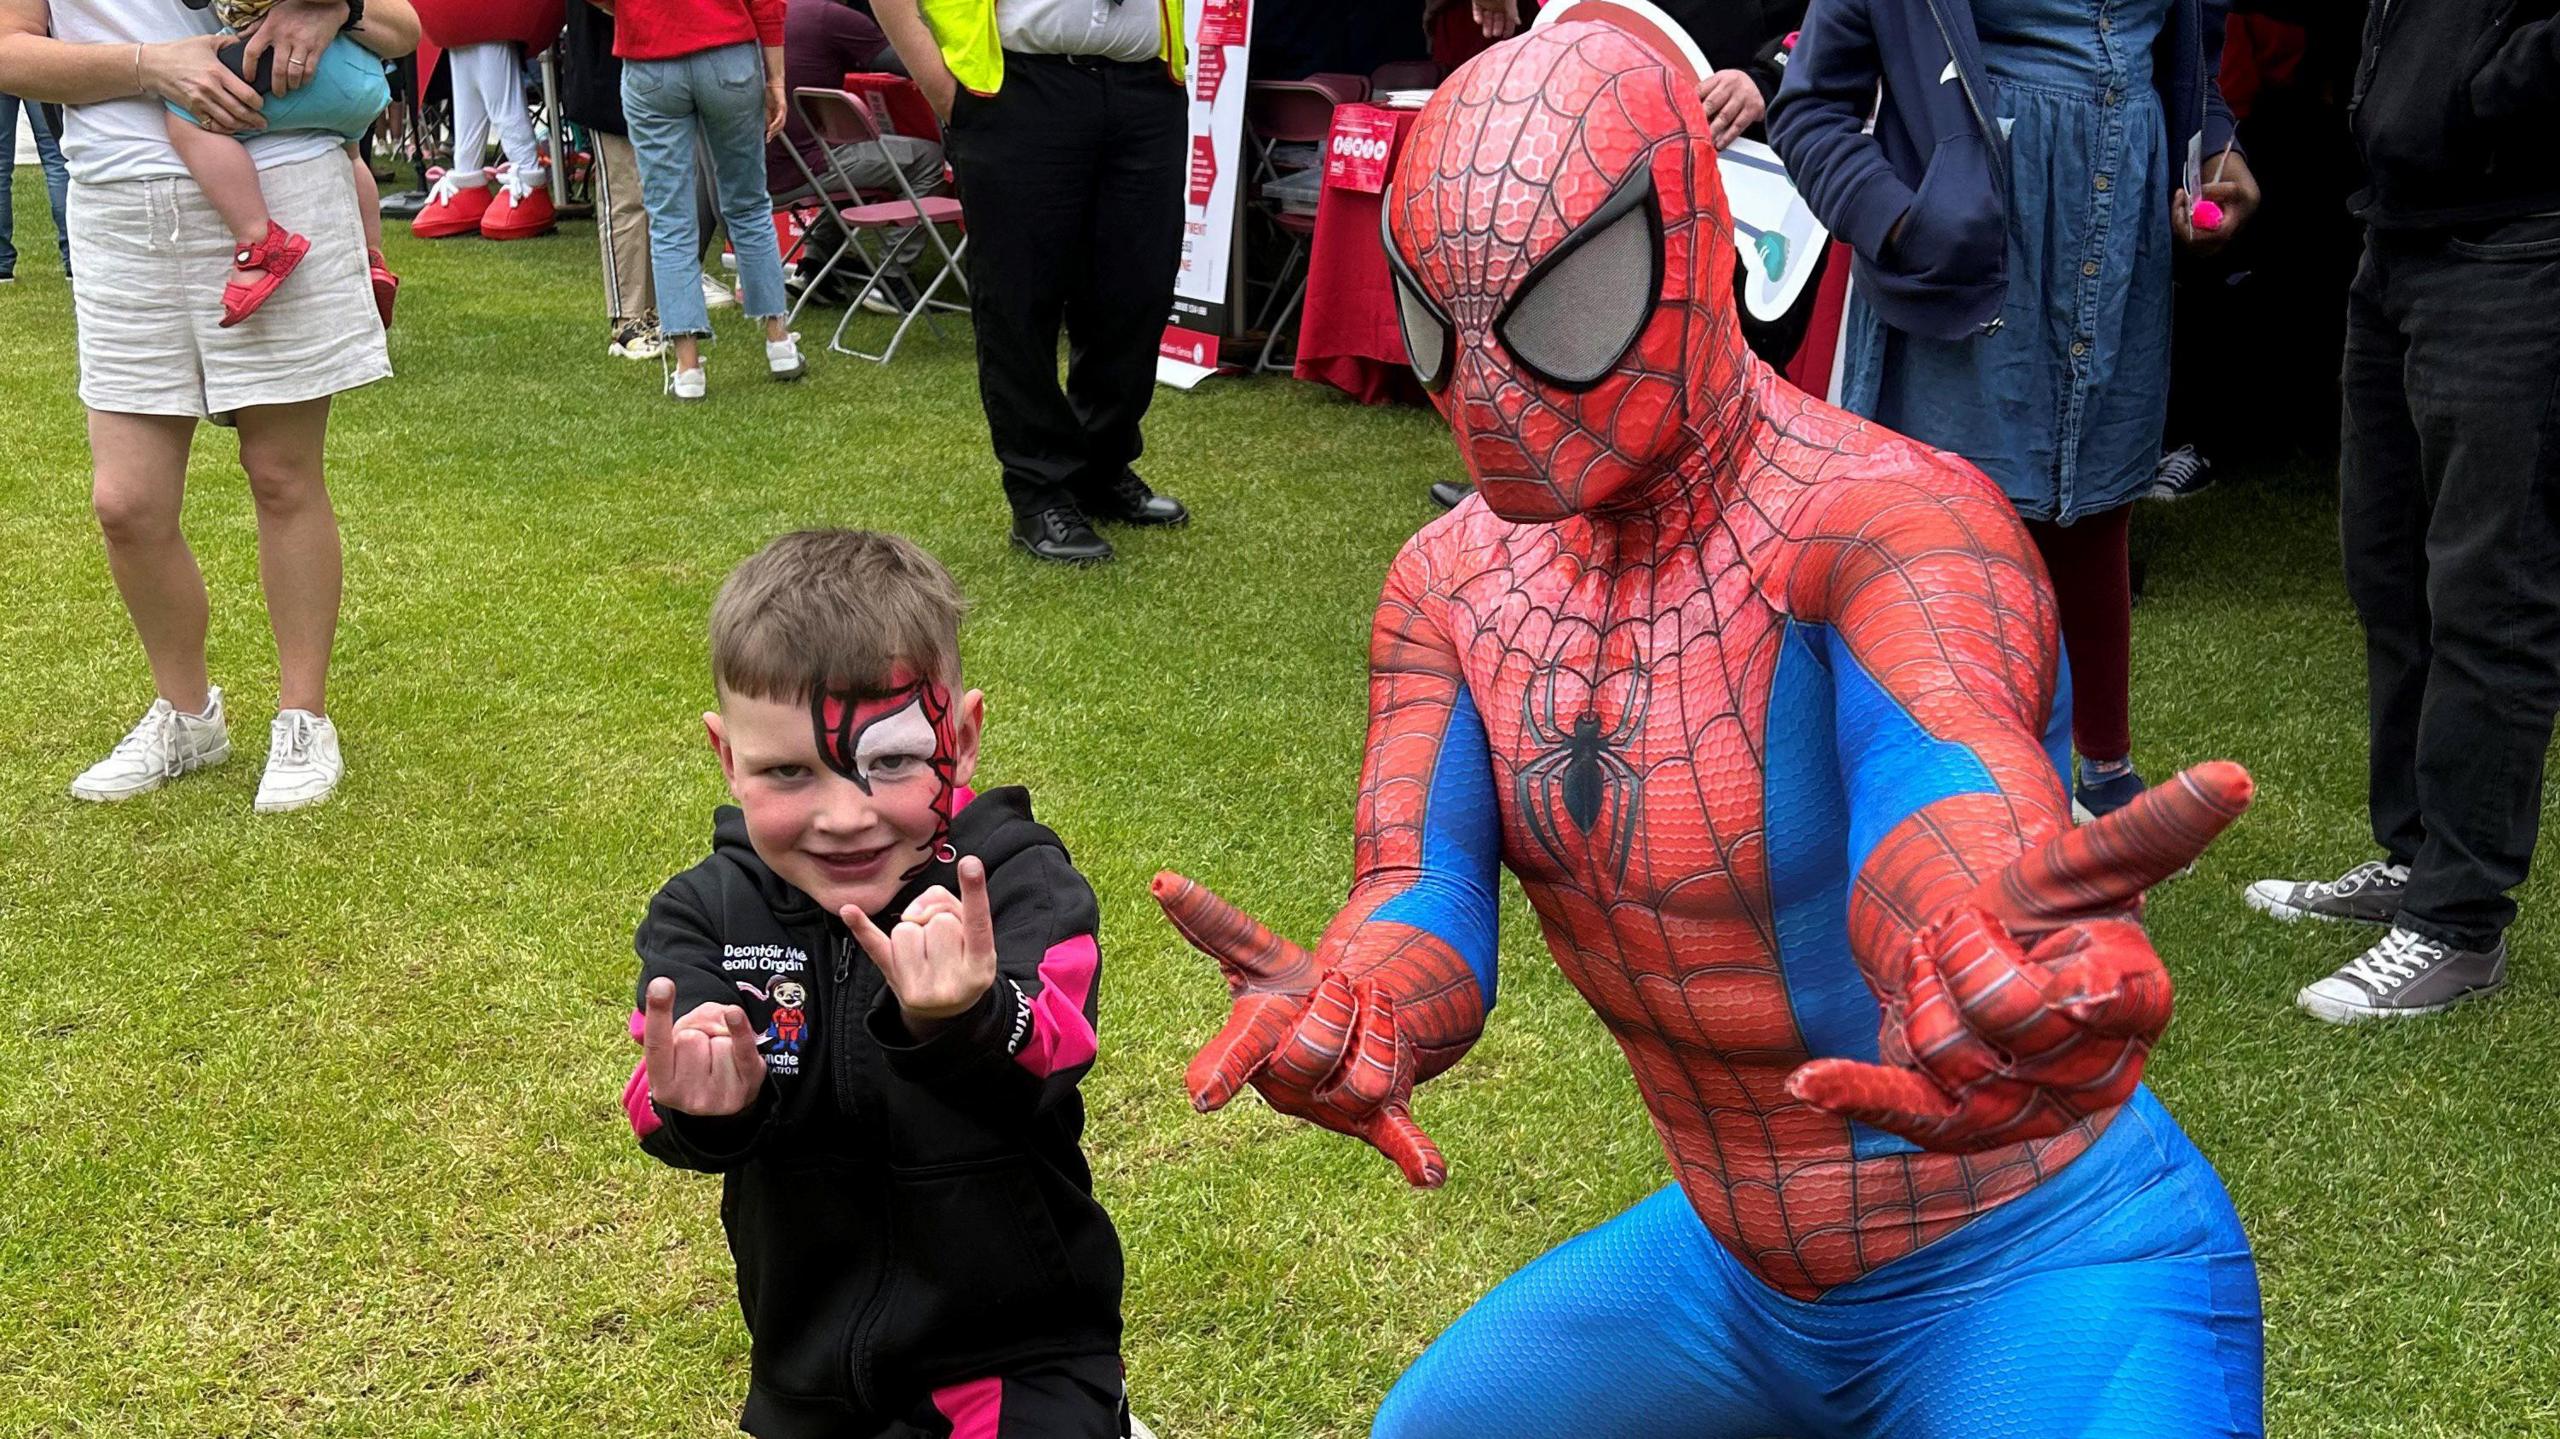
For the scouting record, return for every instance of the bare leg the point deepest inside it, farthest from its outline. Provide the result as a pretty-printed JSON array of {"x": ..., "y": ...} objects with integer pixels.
[
  {"x": 299, "y": 563},
  {"x": 688, "y": 351},
  {"x": 229, "y": 179},
  {"x": 368, "y": 197},
  {"x": 139, "y": 486}
]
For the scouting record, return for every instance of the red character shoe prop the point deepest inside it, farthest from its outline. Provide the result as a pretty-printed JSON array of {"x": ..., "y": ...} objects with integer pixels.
[
  {"x": 386, "y": 286},
  {"x": 454, "y": 206},
  {"x": 520, "y": 208},
  {"x": 273, "y": 257}
]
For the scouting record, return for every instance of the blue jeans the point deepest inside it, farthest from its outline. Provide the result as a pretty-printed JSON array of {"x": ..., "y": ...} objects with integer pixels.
[
  {"x": 57, "y": 179},
  {"x": 717, "y": 95}
]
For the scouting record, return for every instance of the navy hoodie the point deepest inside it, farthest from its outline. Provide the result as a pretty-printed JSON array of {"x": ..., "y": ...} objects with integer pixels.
[{"x": 1937, "y": 154}]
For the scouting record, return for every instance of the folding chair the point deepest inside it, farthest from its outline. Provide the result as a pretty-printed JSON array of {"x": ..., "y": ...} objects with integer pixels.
[
  {"x": 1277, "y": 113},
  {"x": 842, "y": 119}
]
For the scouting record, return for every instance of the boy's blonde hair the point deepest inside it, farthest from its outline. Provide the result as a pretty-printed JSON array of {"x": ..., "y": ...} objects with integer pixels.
[{"x": 820, "y": 611}]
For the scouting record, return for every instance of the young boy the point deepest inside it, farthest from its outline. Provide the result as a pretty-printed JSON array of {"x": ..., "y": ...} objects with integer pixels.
[
  {"x": 343, "y": 94},
  {"x": 868, "y": 1009}
]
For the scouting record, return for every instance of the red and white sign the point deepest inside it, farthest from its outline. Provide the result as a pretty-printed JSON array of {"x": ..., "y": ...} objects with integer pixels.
[
  {"x": 1201, "y": 315},
  {"x": 1355, "y": 157},
  {"x": 1221, "y": 22}
]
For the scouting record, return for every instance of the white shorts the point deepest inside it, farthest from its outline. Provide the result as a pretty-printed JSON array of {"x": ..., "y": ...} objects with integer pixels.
[{"x": 153, "y": 257}]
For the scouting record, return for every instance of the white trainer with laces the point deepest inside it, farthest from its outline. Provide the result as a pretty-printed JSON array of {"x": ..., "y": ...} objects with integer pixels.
[
  {"x": 304, "y": 763},
  {"x": 688, "y": 384},
  {"x": 164, "y": 746},
  {"x": 782, "y": 357},
  {"x": 715, "y": 295}
]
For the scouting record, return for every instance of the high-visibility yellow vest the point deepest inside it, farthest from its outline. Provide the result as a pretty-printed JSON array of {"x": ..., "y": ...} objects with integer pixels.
[{"x": 966, "y": 31}]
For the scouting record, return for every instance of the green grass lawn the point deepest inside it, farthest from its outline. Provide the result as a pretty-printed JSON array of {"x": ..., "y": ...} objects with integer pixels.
[{"x": 308, "y": 1125}]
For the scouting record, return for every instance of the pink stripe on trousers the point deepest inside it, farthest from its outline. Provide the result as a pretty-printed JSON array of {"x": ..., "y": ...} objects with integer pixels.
[{"x": 975, "y": 1409}]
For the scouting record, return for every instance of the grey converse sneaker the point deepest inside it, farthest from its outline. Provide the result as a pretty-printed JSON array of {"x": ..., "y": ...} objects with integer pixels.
[
  {"x": 2405, "y": 974},
  {"x": 2370, "y": 893},
  {"x": 165, "y": 745}
]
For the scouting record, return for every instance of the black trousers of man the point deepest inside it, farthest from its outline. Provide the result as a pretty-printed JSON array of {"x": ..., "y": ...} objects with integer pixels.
[
  {"x": 2450, "y": 491},
  {"x": 1071, "y": 175}
]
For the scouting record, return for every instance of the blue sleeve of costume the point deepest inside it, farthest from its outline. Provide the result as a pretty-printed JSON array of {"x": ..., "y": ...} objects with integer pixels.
[
  {"x": 1890, "y": 766},
  {"x": 1451, "y": 893}
]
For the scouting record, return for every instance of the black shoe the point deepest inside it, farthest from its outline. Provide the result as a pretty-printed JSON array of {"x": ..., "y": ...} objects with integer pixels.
[
  {"x": 1062, "y": 536},
  {"x": 1449, "y": 494},
  {"x": 1128, "y": 501}
]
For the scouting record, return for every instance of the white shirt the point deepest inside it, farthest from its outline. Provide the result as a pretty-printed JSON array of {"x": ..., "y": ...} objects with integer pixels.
[
  {"x": 1129, "y": 30},
  {"x": 128, "y": 139}
]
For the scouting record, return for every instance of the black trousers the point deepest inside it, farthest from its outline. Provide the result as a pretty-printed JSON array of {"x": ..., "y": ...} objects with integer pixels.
[
  {"x": 1071, "y": 175},
  {"x": 2450, "y": 513}
]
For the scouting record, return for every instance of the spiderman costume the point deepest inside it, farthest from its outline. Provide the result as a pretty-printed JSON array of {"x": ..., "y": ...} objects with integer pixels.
[{"x": 1759, "y": 703}]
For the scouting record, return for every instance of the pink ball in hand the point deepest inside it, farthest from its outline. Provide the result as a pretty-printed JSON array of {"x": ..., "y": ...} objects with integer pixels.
[{"x": 2208, "y": 215}]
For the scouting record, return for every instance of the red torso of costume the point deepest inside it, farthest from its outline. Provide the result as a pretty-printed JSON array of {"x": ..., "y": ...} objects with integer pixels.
[{"x": 1666, "y": 623}]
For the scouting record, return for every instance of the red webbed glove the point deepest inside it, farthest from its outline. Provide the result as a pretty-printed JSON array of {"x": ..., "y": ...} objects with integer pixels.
[
  {"x": 1323, "y": 1047},
  {"x": 2033, "y": 1003}
]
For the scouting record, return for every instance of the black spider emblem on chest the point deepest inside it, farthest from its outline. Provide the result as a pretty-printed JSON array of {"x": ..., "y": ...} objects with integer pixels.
[{"x": 1579, "y": 774}]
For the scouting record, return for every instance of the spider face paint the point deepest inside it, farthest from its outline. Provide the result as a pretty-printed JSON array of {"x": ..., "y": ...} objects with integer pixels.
[
  {"x": 900, "y": 735},
  {"x": 1563, "y": 268}
]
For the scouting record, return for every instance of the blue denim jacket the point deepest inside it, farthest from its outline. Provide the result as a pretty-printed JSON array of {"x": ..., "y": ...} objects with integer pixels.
[{"x": 1936, "y": 155}]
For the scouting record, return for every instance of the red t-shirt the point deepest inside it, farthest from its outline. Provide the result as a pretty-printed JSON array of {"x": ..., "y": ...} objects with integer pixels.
[{"x": 669, "y": 29}]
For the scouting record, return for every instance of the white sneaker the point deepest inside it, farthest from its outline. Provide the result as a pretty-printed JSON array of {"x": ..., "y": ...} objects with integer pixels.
[
  {"x": 303, "y": 762},
  {"x": 715, "y": 295},
  {"x": 688, "y": 384},
  {"x": 782, "y": 357},
  {"x": 165, "y": 745}
]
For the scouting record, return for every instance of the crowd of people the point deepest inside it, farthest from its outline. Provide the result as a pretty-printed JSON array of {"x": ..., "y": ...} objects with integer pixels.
[{"x": 1925, "y": 1074}]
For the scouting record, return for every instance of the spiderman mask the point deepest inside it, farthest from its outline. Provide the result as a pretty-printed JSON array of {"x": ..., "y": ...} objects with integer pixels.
[{"x": 1563, "y": 268}]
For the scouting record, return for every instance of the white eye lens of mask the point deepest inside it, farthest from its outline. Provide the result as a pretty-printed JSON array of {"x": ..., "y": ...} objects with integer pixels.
[
  {"x": 905, "y": 735},
  {"x": 1426, "y": 338},
  {"x": 1577, "y": 316}
]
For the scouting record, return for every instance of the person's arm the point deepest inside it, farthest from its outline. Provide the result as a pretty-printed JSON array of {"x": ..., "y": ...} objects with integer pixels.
[
  {"x": 1030, "y": 1034},
  {"x": 1399, "y": 988},
  {"x": 903, "y": 23},
  {"x": 700, "y": 1098},
  {"x": 2229, "y": 182},
  {"x": 1818, "y": 126},
  {"x": 2521, "y": 77},
  {"x": 389, "y": 29},
  {"x": 188, "y": 73},
  {"x": 2019, "y": 993}
]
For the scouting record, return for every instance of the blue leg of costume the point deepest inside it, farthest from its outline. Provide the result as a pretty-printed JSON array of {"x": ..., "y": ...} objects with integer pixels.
[{"x": 2117, "y": 1300}]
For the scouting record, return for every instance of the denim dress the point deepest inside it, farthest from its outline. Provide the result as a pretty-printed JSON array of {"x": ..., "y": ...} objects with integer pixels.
[{"x": 2062, "y": 404}]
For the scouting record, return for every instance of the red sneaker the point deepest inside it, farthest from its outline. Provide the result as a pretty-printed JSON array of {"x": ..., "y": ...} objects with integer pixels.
[
  {"x": 274, "y": 256},
  {"x": 454, "y": 206},
  {"x": 386, "y": 286}
]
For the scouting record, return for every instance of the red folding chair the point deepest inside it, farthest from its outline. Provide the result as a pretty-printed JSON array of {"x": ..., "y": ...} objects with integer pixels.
[{"x": 843, "y": 120}]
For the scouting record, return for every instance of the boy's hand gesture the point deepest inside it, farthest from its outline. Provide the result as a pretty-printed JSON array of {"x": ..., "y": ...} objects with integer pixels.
[
  {"x": 941, "y": 958},
  {"x": 706, "y": 1063}
]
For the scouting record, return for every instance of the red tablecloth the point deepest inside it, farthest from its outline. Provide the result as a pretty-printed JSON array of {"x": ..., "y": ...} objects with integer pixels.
[{"x": 1347, "y": 334}]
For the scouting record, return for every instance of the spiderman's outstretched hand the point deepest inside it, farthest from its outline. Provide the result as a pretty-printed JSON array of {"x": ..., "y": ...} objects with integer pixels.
[
  {"x": 1322, "y": 1046},
  {"x": 2034, "y": 1002}
]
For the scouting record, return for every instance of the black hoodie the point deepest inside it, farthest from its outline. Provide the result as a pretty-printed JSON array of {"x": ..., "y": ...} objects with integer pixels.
[
  {"x": 2456, "y": 110},
  {"x": 904, "y": 1215}
]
